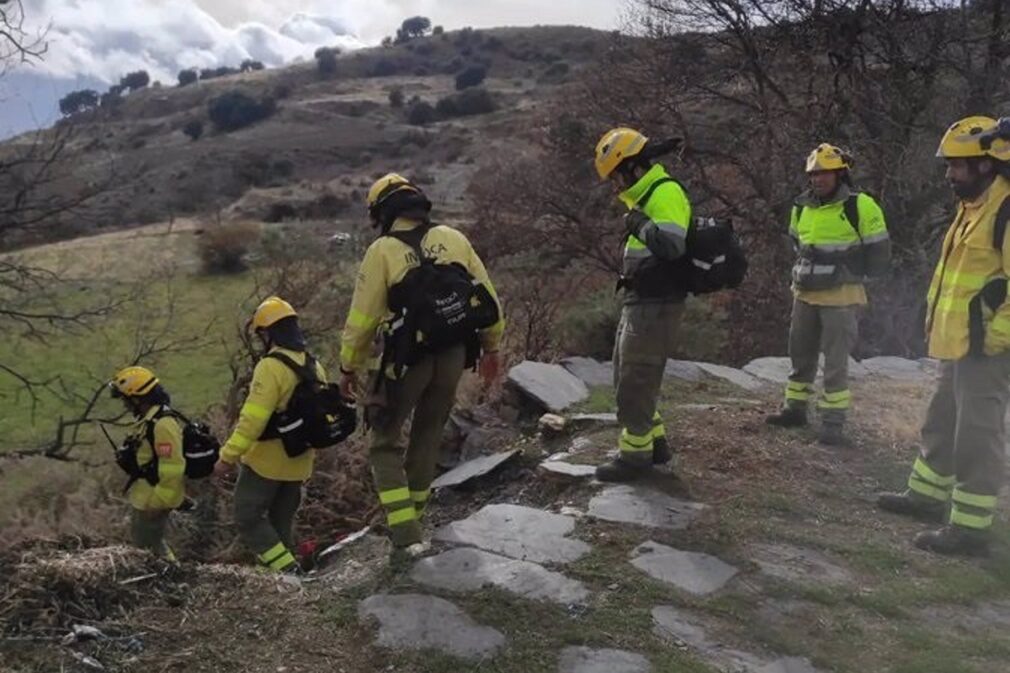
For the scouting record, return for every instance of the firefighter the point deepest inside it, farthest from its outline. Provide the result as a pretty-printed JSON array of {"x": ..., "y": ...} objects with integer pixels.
[
  {"x": 841, "y": 237},
  {"x": 958, "y": 474},
  {"x": 415, "y": 377}
]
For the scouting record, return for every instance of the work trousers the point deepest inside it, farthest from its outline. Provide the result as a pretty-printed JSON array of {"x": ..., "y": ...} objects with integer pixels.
[{"x": 265, "y": 512}]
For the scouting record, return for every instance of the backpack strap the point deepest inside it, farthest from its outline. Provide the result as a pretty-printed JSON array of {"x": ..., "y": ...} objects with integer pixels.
[
  {"x": 652, "y": 190},
  {"x": 851, "y": 208},
  {"x": 306, "y": 372},
  {"x": 999, "y": 229},
  {"x": 413, "y": 238}
]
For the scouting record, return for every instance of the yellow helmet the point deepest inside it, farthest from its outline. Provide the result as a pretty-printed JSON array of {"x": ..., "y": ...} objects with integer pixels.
[
  {"x": 270, "y": 311},
  {"x": 133, "y": 382},
  {"x": 615, "y": 146},
  {"x": 973, "y": 137},
  {"x": 385, "y": 187},
  {"x": 827, "y": 157}
]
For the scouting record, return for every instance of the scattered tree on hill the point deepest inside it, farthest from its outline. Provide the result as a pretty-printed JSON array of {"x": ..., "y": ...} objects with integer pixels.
[
  {"x": 235, "y": 110},
  {"x": 387, "y": 42},
  {"x": 187, "y": 77},
  {"x": 326, "y": 61},
  {"x": 466, "y": 103},
  {"x": 249, "y": 65},
  {"x": 135, "y": 81},
  {"x": 214, "y": 73},
  {"x": 78, "y": 101},
  {"x": 193, "y": 129},
  {"x": 472, "y": 76},
  {"x": 416, "y": 26},
  {"x": 396, "y": 98},
  {"x": 438, "y": 30}
]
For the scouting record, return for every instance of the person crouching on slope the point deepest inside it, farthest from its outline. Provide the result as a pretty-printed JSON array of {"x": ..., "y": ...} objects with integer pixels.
[{"x": 151, "y": 456}]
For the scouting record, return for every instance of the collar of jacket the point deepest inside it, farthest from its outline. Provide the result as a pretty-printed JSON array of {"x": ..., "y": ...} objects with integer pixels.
[
  {"x": 632, "y": 196},
  {"x": 404, "y": 224},
  {"x": 808, "y": 200}
]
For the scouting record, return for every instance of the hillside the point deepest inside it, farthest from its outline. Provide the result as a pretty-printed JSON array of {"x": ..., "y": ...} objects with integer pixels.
[
  {"x": 330, "y": 134},
  {"x": 766, "y": 557}
]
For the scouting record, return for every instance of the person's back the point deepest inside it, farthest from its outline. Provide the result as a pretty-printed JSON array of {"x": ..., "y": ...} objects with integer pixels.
[{"x": 416, "y": 376}]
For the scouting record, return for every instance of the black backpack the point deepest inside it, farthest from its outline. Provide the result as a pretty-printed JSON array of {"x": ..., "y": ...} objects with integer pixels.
[
  {"x": 317, "y": 416},
  {"x": 435, "y": 306},
  {"x": 200, "y": 447},
  {"x": 714, "y": 260}
]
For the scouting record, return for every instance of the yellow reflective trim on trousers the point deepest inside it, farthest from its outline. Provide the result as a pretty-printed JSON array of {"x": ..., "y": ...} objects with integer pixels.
[
  {"x": 277, "y": 557},
  {"x": 959, "y": 518},
  {"x": 658, "y": 428},
  {"x": 394, "y": 495},
  {"x": 922, "y": 488},
  {"x": 420, "y": 496},
  {"x": 799, "y": 395},
  {"x": 356, "y": 318},
  {"x": 927, "y": 474},
  {"x": 347, "y": 354},
  {"x": 401, "y": 516},
  {"x": 240, "y": 441},
  {"x": 257, "y": 411},
  {"x": 839, "y": 400},
  {"x": 972, "y": 500},
  {"x": 630, "y": 443}
]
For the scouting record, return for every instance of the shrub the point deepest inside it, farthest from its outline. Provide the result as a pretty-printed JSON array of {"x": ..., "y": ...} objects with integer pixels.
[
  {"x": 472, "y": 76},
  {"x": 250, "y": 65},
  {"x": 421, "y": 113},
  {"x": 235, "y": 110},
  {"x": 385, "y": 67},
  {"x": 214, "y": 73},
  {"x": 187, "y": 77},
  {"x": 438, "y": 30},
  {"x": 556, "y": 72},
  {"x": 467, "y": 103},
  {"x": 78, "y": 101},
  {"x": 193, "y": 129},
  {"x": 415, "y": 26},
  {"x": 223, "y": 246},
  {"x": 326, "y": 61},
  {"x": 396, "y": 98}
]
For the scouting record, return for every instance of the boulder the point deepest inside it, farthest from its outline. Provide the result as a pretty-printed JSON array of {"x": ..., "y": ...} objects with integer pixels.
[{"x": 550, "y": 386}]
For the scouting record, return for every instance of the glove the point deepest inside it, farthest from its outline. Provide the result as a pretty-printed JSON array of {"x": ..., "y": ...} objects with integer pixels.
[{"x": 633, "y": 223}]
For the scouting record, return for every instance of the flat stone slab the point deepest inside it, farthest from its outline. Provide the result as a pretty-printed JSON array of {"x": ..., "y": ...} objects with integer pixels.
[
  {"x": 472, "y": 469},
  {"x": 777, "y": 369},
  {"x": 698, "y": 574},
  {"x": 552, "y": 386},
  {"x": 588, "y": 660},
  {"x": 417, "y": 622},
  {"x": 466, "y": 570},
  {"x": 593, "y": 373},
  {"x": 737, "y": 377},
  {"x": 679, "y": 627},
  {"x": 594, "y": 419},
  {"x": 644, "y": 507},
  {"x": 981, "y": 617},
  {"x": 518, "y": 532},
  {"x": 561, "y": 468},
  {"x": 788, "y": 665},
  {"x": 683, "y": 370},
  {"x": 798, "y": 564},
  {"x": 898, "y": 369}
]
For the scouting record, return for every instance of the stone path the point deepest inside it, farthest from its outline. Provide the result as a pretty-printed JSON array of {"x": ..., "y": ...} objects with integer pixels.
[{"x": 506, "y": 546}]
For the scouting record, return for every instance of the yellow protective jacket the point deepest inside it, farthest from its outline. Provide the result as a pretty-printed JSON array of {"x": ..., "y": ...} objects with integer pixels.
[
  {"x": 959, "y": 320},
  {"x": 833, "y": 256},
  {"x": 170, "y": 490},
  {"x": 272, "y": 384},
  {"x": 662, "y": 239},
  {"x": 385, "y": 264}
]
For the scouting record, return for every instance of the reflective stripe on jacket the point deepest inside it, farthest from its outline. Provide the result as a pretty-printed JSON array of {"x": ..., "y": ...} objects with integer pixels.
[
  {"x": 969, "y": 263},
  {"x": 170, "y": 490}
]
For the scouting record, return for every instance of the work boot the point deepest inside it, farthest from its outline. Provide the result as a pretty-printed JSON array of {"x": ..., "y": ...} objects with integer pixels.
[
  {"x": 832, "y": 434},
  {"x": 789, "y": 417},
  {"x": 913, "y": 505},
  {"x": 621, "y": 470},
  {"x": 661, "y": 452},
  {"x": 954, "y": 541}
]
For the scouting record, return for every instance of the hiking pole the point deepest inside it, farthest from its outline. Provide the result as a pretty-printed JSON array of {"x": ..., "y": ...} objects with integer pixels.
[{"x": 115, "y": 447}]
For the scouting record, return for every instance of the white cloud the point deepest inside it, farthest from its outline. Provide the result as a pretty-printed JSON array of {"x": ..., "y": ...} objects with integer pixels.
[{"x": 107, "y": 38}]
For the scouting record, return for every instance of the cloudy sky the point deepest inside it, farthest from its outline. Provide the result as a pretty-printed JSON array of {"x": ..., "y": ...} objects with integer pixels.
[{"x": 94, "y": 42}]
